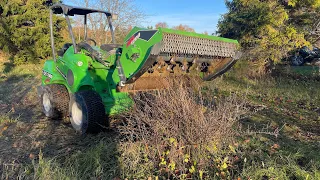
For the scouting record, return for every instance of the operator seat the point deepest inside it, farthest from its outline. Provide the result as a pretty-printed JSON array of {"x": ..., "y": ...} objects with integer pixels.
[
  {"x": 110, "y": 47},
  {"x": 64, "y": 48}
]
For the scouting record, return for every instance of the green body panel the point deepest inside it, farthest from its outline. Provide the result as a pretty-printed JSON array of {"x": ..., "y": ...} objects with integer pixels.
[
  {"x": 53, "y": 76},
  {"x": 90, "y": 75},
  {"x": 142, "y": 47},
  {"x": 193, "y": 34},
  {"x": 81, "y": 72}
]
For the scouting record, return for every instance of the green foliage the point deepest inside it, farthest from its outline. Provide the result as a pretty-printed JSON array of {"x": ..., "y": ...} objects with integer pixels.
[
  {"x": 24, "y": 29},
  {"x": 264, "y": 29},
  {"x": 303, "y": 15},
  {"x": 310, "y": 4}
]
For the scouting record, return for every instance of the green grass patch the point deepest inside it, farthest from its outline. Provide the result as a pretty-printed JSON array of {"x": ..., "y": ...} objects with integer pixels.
[{"x": 305, "y": 70}]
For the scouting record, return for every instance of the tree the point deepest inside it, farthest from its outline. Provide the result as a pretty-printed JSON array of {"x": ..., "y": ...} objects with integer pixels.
[
  {"x": 304, "y": 15},
  {"x": 183, "y": 28},
  {"x": 128, "y": 15},
  {"x": 161, "y": 25},
  {"x": 24, "y": 29},
  {"x": 263, "y": 28}
]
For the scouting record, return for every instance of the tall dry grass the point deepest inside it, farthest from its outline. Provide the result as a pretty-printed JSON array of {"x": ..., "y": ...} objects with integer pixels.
[{"x": 180, "y": 131}]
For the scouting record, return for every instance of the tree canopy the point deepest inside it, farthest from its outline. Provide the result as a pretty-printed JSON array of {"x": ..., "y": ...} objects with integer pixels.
[
  {"x": 269, "y": 29},
  {"x": 24, "y": 29},
  {"x": 182, "y": 27},
  {"x": 128, "y": 12},
  {"x": 161, "y": 25}
]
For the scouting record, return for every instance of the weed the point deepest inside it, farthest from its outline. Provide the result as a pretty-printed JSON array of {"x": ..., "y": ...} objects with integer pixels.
[{"x": 6, "y": 119}]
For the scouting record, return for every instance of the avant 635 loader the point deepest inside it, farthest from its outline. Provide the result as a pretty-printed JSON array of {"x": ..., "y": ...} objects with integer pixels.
[{"x": 88, "y": 83}]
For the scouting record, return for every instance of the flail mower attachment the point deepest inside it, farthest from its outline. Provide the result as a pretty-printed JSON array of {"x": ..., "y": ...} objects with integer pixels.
[{"x": 150, "y": 55}]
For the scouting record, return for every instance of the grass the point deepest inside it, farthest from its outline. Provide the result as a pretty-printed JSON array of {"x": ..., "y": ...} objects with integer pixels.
[
  {"x": 98, "y": 162},
  {"x": 306, "y": 70},
  {"x": 289, "y": 119},
  {"x": 5, "y": 121},
  {"x": 278, "y": 138}
]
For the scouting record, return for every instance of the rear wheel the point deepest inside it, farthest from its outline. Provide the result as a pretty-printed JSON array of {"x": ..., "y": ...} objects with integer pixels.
[
  {"x": 87, "y": 112},
  {"x": 55, "y": 100}
]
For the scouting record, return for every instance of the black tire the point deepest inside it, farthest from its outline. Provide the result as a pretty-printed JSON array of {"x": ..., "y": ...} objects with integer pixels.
[
  {"x": 55, "y": 101},
  {"x": 87, "y": 112}
]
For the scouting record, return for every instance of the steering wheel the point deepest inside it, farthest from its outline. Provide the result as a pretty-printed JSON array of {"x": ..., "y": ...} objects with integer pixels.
[
  {"x": 94, "y": 42},
  {"x": 93, "y": 52}
]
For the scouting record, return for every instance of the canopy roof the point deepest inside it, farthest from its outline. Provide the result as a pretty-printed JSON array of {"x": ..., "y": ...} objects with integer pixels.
[{"x": 71, "y": 10}]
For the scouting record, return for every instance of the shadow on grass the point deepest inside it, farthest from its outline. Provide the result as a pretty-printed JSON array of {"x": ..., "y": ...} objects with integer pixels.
[
  {"x": 297, "y": 139},
  {"x": 14, "y": 94},
  {"x": 8, "y": 66}
]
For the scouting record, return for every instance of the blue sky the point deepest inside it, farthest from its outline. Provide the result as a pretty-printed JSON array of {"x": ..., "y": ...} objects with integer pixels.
[{"x": 201, "y": 15}]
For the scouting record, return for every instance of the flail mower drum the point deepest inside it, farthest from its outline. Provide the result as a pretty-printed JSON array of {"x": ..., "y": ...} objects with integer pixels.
[
  {"x": 166, "y": 52},
  {"x": 87, "y": 83}
]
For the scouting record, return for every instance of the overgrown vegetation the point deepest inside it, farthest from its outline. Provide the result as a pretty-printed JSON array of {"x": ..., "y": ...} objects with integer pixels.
[{"x": 277, "y": 137}]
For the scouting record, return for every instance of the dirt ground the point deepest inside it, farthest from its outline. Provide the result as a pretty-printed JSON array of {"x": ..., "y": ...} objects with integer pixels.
[{"x": 25, "y": 131}]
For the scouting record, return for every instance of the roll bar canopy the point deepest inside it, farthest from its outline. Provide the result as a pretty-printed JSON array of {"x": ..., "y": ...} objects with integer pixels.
[
  {"x": 67, "y": 11},
  {"x": 71, "y": 10}
]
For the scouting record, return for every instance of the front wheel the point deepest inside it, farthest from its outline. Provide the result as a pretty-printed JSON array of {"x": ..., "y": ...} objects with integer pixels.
[{"x": 87, "y": 112}]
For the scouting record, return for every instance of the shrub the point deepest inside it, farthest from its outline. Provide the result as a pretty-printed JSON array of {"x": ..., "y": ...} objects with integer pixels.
[{"x": 182, "y": 133}]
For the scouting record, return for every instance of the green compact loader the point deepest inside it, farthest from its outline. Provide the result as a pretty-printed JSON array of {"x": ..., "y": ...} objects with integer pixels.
[{"x": 87, "y": 83}]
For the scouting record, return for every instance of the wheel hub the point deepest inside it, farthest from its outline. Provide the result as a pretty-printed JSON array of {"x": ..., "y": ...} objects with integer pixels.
[
  {"x": 46, "y": 102},
  {"x": 76, "y": 114}
]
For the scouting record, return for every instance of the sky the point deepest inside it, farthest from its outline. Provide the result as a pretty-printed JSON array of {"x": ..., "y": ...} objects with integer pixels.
[{"x": 201, "y": 15}]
